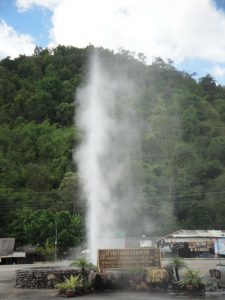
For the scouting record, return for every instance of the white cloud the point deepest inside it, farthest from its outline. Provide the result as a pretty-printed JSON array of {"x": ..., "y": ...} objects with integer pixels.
[
  {"x": 175, "y": 29},
  {"x": 13, "y": 43},
  {"x": 168, "y": 28},
  {"x": 28, "y": 4},
  {"x": 218, "y": 71}
]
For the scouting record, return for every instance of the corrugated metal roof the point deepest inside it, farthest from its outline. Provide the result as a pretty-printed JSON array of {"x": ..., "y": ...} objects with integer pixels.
[
  {"x": 197, "y": 233},
  {"x": 14, "y": 255},
  {"x": 187, "y": 240}
]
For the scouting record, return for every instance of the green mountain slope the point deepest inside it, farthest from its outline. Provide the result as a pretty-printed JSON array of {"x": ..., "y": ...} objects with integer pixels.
[{"x": 182, "y": 166}]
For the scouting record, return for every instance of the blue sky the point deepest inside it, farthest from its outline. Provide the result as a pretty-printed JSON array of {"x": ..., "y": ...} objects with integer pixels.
[
  {"x": 35, "y": 22},
  {"x": 220, "y": 4},
  {"x": 190, "y": 32}
]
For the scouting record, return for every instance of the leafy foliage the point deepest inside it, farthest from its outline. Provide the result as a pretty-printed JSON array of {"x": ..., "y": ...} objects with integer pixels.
[
  {"x": 181, "y": 167},
  {"x": 47, "y": 251},
  {"x": 192, "y": 278},
  {"x": 83, "y": 264},
  {"x": 42, "y": 227},
  {"x": 72, "y": 282}
]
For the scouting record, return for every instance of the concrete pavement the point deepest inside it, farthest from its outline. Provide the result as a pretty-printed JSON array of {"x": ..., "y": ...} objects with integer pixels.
[{"x": 8, "y": 292}]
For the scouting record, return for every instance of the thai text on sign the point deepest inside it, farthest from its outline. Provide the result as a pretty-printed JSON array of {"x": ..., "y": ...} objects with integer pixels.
[{"x": 129, "y": 258}]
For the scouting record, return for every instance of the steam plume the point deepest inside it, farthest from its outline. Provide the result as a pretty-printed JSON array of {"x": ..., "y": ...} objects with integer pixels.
[{"x": 110, "y": 154}]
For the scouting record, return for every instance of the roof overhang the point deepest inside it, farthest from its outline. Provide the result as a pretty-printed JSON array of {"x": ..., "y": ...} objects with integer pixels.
[{"x": 14, "y": 255}]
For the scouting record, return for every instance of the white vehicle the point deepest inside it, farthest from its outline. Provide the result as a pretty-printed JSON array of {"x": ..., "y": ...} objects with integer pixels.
[{"x": 220, "y": 276}]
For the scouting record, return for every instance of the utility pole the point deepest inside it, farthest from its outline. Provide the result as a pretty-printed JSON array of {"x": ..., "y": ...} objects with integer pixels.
[{"x": 56, "y": 238}]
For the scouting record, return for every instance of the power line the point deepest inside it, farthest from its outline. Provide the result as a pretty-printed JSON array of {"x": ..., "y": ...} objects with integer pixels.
[
  {"x": 157, "y": 196},
  {"x": 63, "y": 205}
]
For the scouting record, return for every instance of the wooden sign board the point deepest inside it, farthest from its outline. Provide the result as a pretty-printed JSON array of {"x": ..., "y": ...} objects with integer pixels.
[{"x": 129, "y": 258}]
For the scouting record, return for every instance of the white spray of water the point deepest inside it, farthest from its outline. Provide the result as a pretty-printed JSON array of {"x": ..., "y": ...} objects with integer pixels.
[
  {"x": 95, "y": 123},
  {"x": 103, "y": 158},
  {"x": 109, "y": 155}
]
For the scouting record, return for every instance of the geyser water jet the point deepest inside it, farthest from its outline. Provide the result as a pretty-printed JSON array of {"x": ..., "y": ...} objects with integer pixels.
[
  {"x": 109, "y": 158},
  {"x": 95, "y": 123},
  {"x": 110, "y": 143}
]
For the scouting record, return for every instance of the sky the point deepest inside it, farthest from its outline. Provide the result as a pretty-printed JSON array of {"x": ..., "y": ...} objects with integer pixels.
[{"x": 190, "y": 32}]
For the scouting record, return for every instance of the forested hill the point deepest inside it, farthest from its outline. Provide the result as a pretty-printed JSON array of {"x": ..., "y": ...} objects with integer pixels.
[{"x": 183, "y": 161}]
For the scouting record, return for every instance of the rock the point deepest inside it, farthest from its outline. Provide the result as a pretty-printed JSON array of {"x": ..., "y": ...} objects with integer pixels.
[
  {"x": 42, "y": 277},
  {"x": 51, "y": 277}
]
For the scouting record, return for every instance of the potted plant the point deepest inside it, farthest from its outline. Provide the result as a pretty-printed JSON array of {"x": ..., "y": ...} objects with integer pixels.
[
  {"x": 70, "y": 286},
  {"x": 191, "y": 281},
  {"x": 158, "y": 278}
]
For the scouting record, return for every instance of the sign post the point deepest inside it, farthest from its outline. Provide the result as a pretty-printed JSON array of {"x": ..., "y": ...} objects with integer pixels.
[{"x": 129, "y": 258}]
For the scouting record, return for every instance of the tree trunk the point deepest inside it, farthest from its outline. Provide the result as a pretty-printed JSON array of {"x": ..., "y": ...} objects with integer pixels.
[{"x": 177, "y": 274}]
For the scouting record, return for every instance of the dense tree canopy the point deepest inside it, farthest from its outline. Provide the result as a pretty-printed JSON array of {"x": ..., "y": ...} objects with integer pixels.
[{"x": 183, "y": 155}]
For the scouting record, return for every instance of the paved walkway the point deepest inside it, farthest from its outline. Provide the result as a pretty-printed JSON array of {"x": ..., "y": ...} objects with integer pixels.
[
  {"x": 8, "y": 292},
  {"x": 28, "y": 294}
]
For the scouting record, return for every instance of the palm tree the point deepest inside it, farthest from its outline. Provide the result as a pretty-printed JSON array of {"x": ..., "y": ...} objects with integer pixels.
[
  {"x": 177, "y": 263},
  {"x": 83, "y": 264}
]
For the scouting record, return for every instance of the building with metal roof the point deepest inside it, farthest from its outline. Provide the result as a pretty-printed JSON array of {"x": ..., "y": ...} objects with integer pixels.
[
  {"x": 191, "y": 243},
  {"x": 7, "y": 254}
]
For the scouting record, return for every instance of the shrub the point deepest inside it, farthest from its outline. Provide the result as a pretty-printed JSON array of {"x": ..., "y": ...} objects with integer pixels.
[
  {"x": 192, "y": 278},
  {"x": 70, "y": 283}
]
